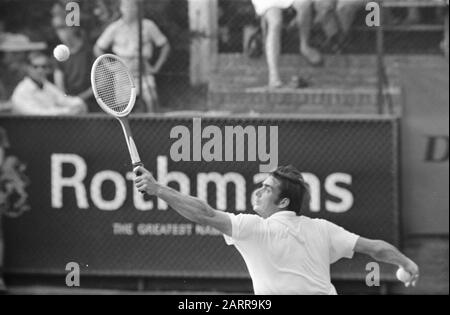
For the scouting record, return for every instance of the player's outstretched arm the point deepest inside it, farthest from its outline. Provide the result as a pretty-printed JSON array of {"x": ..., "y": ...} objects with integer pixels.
[
  {"x": 385, "y": 252},
  {"x": 191, "y": 208}
]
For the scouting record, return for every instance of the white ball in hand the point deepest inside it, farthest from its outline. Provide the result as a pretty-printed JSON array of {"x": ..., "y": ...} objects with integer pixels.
[
  {"x": 403, "y": 275},
  {"x": 61, "y": 53}
]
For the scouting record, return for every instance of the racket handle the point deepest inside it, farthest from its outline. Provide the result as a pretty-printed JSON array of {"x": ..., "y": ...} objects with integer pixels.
[{"x": 136, "y": 165}]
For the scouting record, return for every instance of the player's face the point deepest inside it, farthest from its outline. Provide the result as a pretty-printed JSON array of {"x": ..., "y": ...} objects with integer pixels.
[{"x": 265, "y": 198}]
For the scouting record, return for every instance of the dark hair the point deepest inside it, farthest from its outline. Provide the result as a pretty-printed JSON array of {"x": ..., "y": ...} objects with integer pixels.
[{"x": 292, "y": 186}]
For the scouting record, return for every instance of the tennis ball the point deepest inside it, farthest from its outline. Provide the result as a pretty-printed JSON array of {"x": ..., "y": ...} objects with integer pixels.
[
  {"x": 403, "y": 275},
  {"x": 61, "y": 53}
]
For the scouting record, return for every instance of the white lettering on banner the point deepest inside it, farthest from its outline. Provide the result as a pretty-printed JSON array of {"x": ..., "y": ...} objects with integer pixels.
[
  {"x": 341, "y": 193},
  {"x": 162, "y": 229},
  {"x": 314, "y": 191},
  {"x": 58, "y": 182},
  {"x": 221, "y": 182},
  {"x": 206, "y": 230},
  {"x": 120, "y": 190},
  {"x": 331, "y": 188},
  {"x": 336, "y": 186},
  {"x": 122, "y": 228},
  {"x": 158, "y": 229}
]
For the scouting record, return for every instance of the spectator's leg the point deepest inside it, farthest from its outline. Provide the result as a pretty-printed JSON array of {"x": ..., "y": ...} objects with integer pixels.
[
  {"x": 337, "y": 27},
  {"x": 330, "y": 27},
  {"x": 274, "y": 20},
  {"x": 346, "y": 11},
  {"x": 304, "y": 21}
]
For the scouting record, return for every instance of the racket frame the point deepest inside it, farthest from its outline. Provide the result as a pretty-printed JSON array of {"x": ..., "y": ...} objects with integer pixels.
[
  {"x": 122, "y": 117},
  {"x": 105, "y": 108}
]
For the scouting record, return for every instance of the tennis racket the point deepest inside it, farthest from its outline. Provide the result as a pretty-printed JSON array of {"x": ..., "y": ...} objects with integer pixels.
[{"x": 115, "y": 93}]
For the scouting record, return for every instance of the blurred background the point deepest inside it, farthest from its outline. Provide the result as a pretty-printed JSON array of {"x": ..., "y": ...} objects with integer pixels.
[{"x": 361, "y": 96}]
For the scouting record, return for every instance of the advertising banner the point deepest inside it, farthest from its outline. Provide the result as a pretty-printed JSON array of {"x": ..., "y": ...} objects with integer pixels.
[{"x": 68, "y": 192}]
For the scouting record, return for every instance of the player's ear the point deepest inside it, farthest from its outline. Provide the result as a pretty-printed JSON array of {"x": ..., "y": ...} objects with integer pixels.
[{"x": 284, "y": 203}]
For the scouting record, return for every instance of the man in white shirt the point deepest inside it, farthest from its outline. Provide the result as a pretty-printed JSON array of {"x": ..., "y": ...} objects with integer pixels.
[
  {"x": 285, "y": 253},
  {"x": 34, "y": 95},
  {"x": 122, "y": 38}
]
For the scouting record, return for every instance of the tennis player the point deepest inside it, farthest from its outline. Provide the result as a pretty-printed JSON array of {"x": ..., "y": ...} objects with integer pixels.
[{"x": 285, "y": 252}]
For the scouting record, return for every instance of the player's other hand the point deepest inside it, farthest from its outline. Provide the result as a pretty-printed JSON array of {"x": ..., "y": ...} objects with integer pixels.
[
  {"x": 144, "y": 181},
  {"x": 413, "y": 269}
]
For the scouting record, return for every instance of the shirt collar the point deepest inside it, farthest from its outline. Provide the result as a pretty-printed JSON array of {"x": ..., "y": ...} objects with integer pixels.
[
  {"x": 283, "y": 214},
  {"x": 40, "y": 86}
]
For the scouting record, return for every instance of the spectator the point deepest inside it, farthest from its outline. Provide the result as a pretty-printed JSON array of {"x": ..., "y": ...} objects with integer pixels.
[
  {"x": 34, "y": 95},
  {"x": 121, "y": 37},
  {"x": 13, "y": 51},
  {"x": 72, "y": 76},
  {"x": 271, "y": 13},
  {"x": 106, "y": 12}
]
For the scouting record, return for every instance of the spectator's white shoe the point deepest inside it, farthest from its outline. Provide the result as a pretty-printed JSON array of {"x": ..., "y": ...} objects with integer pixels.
[{"x": 275, "y": 84}]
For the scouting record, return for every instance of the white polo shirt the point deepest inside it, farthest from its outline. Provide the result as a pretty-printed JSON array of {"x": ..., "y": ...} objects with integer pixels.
[
  {"x": 29, "y": 99},
  {"x": 290, "y": 254}
]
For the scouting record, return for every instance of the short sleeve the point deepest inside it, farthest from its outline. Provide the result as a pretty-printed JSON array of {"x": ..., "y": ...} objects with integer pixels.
[
  {"x": 106, "y": 39},
  {"x": 154, "y": 33},
  {"x": 341, "y": 242},
  {"x": 243, "y": 227}
]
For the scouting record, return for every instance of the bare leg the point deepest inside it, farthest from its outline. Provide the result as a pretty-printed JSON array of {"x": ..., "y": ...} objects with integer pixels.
[
  {"x": 273, "y": 20},
  {"x": 346, "y": 12},
  {"x": 304, "y": 22}
]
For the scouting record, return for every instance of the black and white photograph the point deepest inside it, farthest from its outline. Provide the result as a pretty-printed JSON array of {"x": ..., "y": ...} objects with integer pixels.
[{"x": 221, "y": 153}]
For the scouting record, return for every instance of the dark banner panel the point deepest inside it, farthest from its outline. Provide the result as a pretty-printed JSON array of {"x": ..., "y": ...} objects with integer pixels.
[
  {"x": 425, "y": 146},
  {"x": 71, "y": 197}
]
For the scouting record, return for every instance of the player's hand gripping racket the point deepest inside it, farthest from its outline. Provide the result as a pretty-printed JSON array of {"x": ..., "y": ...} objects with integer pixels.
[{"x": 115, "y": 92}]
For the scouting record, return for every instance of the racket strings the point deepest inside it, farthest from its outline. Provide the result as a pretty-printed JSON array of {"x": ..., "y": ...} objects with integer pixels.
[{"x": 113, "y": 84}]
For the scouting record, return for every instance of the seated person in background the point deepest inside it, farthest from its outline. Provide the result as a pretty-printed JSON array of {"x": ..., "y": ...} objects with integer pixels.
[
  {"x": 272, "y": 20},
  {"x": 73, "y": 75},
  {"x": 122, "y": 38},
  {"x": 34, "y": 95},
  {"x": 13, "y": 53}
]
